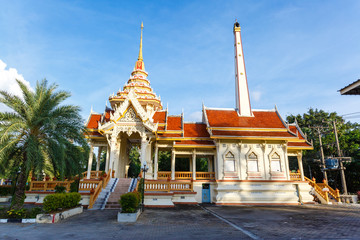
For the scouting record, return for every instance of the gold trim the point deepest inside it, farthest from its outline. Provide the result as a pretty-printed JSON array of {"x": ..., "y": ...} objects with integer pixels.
[
  {"x": 183, "y": 138},
  {"x": 249, "y": 129},
  {"x": 194, "y": 146},
  {"x": 299, "y": 148}
]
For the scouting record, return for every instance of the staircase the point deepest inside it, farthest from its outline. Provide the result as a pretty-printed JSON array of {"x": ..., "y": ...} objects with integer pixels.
[
  {"x": 121, "y": 188},
  {"x": 330, "y": 196},
  {"x": 104, "y": 195}
]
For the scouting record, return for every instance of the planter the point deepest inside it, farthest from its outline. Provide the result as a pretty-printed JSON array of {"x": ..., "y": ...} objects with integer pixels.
[
  {"x": 128, "y": 217},
  {"x": 55, "y": 217},
  {"x": 5, "y": 199}
]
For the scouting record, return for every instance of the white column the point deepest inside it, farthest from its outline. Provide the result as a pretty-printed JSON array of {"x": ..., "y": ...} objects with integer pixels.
[
  {"x": 113, "y": 152},
  {"x": 156, "y": 162},
  {"x": 210, "y": 164},
  {"x": 194, "y": 165},
  {"x": 117, "y": 159},
  {"x": 266, "y": 162},
  {"x": 98, "y": 159},
  {"x": 143, "y": 150},
  {"x": 173, "y": 164},
  {"x": 286, "y": 160},
  {"x": 299, "y": 158},
  {"x": 107, "y": 159},
  {"x": 90, "y": 161}
]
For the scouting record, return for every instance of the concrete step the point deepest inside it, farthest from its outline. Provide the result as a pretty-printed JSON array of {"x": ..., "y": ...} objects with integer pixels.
[{"x": 121, "y": 188}]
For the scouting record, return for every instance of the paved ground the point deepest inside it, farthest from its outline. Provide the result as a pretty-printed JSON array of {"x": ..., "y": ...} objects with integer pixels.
[{"x": 197, "y": 222}]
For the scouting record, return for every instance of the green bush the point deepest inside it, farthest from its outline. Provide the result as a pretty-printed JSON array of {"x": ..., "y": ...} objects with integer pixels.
[
  {"x": 57, "y": 201},
  {"x": 31, "y": 213},
  {"x": 16, "y": 213},
  {"x": 129, "y": 202},
  {"x": 74, "y": 186},
  {"x": 60, "y": 189},
  {"x": 5, "y": 191}
]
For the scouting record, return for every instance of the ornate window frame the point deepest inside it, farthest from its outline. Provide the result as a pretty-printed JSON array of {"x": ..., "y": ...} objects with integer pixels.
[
  {"x": 230, "y": 150},
  {"x": 253, "y": 174}
]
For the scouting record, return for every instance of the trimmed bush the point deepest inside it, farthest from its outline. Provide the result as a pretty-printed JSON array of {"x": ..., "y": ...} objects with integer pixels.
[
  {"x": 74, "y": 186},
  {"x": 129, "y": 202},
  {"x": 60, "y": 189},
  {"x": 5, "y": 191},
  {"x": 57, "y": 201}
]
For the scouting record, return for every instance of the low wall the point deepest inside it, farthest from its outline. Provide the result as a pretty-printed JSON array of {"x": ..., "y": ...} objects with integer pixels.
[
  {"x": 38, "y": 198},
  {"x": 55, "y": 217},
  {"x": 262, "y": 193}
]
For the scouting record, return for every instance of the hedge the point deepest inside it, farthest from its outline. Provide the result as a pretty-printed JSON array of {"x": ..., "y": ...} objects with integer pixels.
[
  {"x": 129, "y": 202},
  {"x": 57, "y": 201},
  {"x": 5, "y": 191}
]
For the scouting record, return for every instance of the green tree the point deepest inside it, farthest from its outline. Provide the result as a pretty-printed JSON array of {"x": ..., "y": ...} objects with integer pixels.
[
  {"x": 40, "y": 135},
  {"x": 135, "y": 164},
  {"x": 349, "y": 139}
]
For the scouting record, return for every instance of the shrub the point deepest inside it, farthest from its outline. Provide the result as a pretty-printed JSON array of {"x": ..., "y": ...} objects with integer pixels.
[
  {"x": 31, "y": 213},
  {"x": 5, "y": 191},
  {"x": 129, "y": 202},
  {"x": 57, "y": 201},
  {"x": 60, "y": 189},
  {"x": 16, "y": 213},
  {"x": 74, "y": 186}
]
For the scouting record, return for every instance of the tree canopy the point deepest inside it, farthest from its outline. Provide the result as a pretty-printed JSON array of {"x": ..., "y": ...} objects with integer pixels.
[
  {"x": 40, "y": 135},
  {"x": 349, "y": 139}
]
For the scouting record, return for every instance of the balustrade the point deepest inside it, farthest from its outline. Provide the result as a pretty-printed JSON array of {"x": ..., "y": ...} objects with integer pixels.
[
  {"x": 187, "y": 175},
  {"x": 295, "y": 176},
  {"x": 167, "y": 186}
]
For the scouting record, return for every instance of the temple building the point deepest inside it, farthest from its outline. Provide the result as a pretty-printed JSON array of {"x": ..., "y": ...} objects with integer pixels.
[{"x": 247, "y": 150}]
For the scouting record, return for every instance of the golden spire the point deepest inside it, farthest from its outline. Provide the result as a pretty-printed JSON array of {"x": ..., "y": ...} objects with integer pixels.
[{"x": 140, "y": 58}]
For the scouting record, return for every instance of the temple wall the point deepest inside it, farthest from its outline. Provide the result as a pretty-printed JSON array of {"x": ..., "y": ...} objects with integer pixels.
[{"x": 244, "y": 155}]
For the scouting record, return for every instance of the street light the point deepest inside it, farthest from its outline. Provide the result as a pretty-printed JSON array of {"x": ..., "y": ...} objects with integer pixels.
[{"x": 144, "y": 170}]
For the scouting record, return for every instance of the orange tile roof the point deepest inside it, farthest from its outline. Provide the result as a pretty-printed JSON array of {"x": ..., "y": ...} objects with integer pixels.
[
  {"x": 159, "y": 117},
  {"x": 93, "y": 122},
  {"x": 173, "y": 123},
  {"x": 299, "y": 144},
  {"x": 195, "y": 130},
  {"x": 253, "y": 134},
  {"x": 107, "y": 115},
  {"x": 171, "y": 135},
  {"x": 188, "y": 142},
  {"x": 230, "y": 118},
  {"x": 296, "y": 131}
]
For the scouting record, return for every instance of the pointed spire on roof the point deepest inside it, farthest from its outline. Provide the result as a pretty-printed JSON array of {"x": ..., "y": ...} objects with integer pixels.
[
  {"x": 139, "y": 63},
  {"x": 140, "y": 58}
]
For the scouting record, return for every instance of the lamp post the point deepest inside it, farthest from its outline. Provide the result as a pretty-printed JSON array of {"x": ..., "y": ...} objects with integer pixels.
[{"x": 144, "y": 170}]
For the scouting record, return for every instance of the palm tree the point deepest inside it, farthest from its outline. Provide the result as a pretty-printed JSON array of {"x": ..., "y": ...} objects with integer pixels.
[{"x": 40, "y": 135}]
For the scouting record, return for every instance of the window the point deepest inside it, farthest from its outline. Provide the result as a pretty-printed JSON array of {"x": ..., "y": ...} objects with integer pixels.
[
  {"x": 229, "y": 162},
  {"x": 252, "y": 163},
  {"x": 275, "y": 163}
]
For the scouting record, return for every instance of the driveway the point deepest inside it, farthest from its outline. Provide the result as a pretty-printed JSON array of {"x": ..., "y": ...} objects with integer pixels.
[{"x": 201, "y": 222}]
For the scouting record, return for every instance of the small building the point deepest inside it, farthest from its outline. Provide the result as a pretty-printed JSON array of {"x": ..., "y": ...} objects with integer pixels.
[{"x": 247, "y": 150}]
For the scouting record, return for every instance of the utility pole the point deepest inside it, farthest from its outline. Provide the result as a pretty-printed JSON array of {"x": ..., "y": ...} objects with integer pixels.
[
  {"x": 322, "y": 156},
  {"x": 343, "y": 181}
]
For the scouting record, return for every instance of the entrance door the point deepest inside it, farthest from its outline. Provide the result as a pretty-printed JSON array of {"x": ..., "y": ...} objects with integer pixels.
[{"x": 206, "y": 193}]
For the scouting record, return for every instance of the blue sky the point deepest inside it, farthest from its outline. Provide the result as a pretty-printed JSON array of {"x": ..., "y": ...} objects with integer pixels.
[{"x": 297, "y": 53}]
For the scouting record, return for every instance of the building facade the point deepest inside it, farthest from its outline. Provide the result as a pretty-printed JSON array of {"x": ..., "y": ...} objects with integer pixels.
[{"x": 247, "y": 150}]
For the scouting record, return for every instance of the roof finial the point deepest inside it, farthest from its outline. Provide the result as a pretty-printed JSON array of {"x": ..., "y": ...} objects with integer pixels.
[{"x": 140, "y": 58}]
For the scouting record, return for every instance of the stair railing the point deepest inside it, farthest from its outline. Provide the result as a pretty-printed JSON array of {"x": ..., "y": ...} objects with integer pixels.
[
  {"x": 323, "y": 194},
  {"x": 335, "y": 193}
]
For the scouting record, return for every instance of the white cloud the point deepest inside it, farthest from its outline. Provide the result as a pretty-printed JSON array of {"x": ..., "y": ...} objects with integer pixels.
[
  {"x": 8, "y": 79},
  {"x": 194, "y": 117},
  {"x": 256, "y": 95}
]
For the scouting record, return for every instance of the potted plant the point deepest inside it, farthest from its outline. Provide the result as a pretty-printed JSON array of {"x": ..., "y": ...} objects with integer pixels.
[{"x": 130, "y": 210}]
